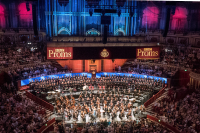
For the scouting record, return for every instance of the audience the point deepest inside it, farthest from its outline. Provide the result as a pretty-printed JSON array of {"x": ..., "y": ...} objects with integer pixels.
[
  {"x": 183, "y": 114},
  {"x": 18, "y": 113},
  {"x": 141, "y": 125},
  {"x": 35, "y": 70},
  {"x": 152, "y": 70},
  {"x": 12, "y": 56},
  {"x": 171, "y": 59}
]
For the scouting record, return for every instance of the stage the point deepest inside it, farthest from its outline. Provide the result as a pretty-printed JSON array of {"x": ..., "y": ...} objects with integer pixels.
[
  {"x": 123, "y": 94},
  {"x": 139, "y": 101}
]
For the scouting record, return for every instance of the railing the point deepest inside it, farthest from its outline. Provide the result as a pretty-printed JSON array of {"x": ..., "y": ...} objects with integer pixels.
[
  {"x": 153, "y": 98},
  {"x": 39, "y": 101},
  {"x": 25, "y": 65},
  {"x": 46, "y": 126},
  {"x": 163, "y": 124}
]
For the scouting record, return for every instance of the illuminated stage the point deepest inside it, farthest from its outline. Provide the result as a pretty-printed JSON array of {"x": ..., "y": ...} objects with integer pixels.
[
  {"x": 125, "y": 92},
  {"x": 106, "y": 116}
]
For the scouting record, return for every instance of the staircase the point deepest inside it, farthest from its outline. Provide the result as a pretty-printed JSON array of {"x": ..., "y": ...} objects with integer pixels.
[
  {"x": 47, "y": 113},
  {"x": 150, "y": 107},
  {"x": 43, "y": 107}
]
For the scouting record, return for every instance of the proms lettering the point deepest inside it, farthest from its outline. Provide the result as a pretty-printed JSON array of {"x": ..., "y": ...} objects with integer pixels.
[
  {"x": 148, "y": 53},
  {"x": 59, "y": 53}
]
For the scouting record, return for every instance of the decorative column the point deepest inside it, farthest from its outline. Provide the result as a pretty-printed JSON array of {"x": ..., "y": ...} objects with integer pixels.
[
  {"x": 50, "y": 20},
  {"x": 188, "y": 20},
  {"x": 126, "y": 20},
  {"x": 70, "y": 20},
  {"x": 141, "y": 18},
  {"x": 46, "y": 16},
  {"x": 135, "y": 17},
  {"x": 55, "y": 18},
  {"x": 170, "y": 22},
  {"x": 6, "y": 15}
]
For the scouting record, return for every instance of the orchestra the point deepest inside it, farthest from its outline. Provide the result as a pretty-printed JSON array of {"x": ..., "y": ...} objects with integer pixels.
[{"x": 104, "y": 103}]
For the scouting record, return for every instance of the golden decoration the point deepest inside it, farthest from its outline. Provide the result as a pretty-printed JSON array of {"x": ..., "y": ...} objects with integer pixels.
[{"x": 104, "y": 53}]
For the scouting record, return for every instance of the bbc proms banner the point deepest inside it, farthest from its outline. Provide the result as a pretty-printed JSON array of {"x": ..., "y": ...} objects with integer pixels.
[
  {"x": 83, "y": 53},
  {"x": 59, "y": 52},
  {"x": 148, "y": 53}
]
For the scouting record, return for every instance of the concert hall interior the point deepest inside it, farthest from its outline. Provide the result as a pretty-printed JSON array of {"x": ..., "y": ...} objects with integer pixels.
[{"x": 99, "y": 66}]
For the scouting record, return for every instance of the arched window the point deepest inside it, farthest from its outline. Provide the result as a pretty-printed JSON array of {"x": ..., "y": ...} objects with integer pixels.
[
  {"x": 119, "y": 32},
  {"x": 25, "y": 16},
  {"x": 64, "y": 31},
  {"x": 2, "y": 17},
  {"x": 179, "y": 20},
  {"x": 150, "y": 18},
  {"x": 92, "y": 32}
]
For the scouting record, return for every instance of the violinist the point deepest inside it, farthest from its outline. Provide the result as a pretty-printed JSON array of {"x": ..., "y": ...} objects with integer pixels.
[
  {"x": 129, "y": 114},
  {"x": 79, "y": 99},
  {"x": 75, "y": 115},
  {"x": 83, "y": 116},
  {"x": 69, "y": 115},
  {"x": 108, "y": 98},
  {"x": 109, "y": 111},
  {"x": 129, "y": 105}
]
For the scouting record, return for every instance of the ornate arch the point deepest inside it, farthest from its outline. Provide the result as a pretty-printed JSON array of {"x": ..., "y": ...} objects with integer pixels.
[
  {"x": 63, "y": 29},
  {"x": 119, "y": 30},
  {"x": 93, "y": 30}
]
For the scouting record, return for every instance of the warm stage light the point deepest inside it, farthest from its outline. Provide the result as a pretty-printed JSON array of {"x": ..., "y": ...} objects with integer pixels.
[
  {"x": 150, "y": 17},
  {"x": 24, "y": 14},
  {"x": 2, "y": 18},
  {"x": 179, "y": 20}
]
